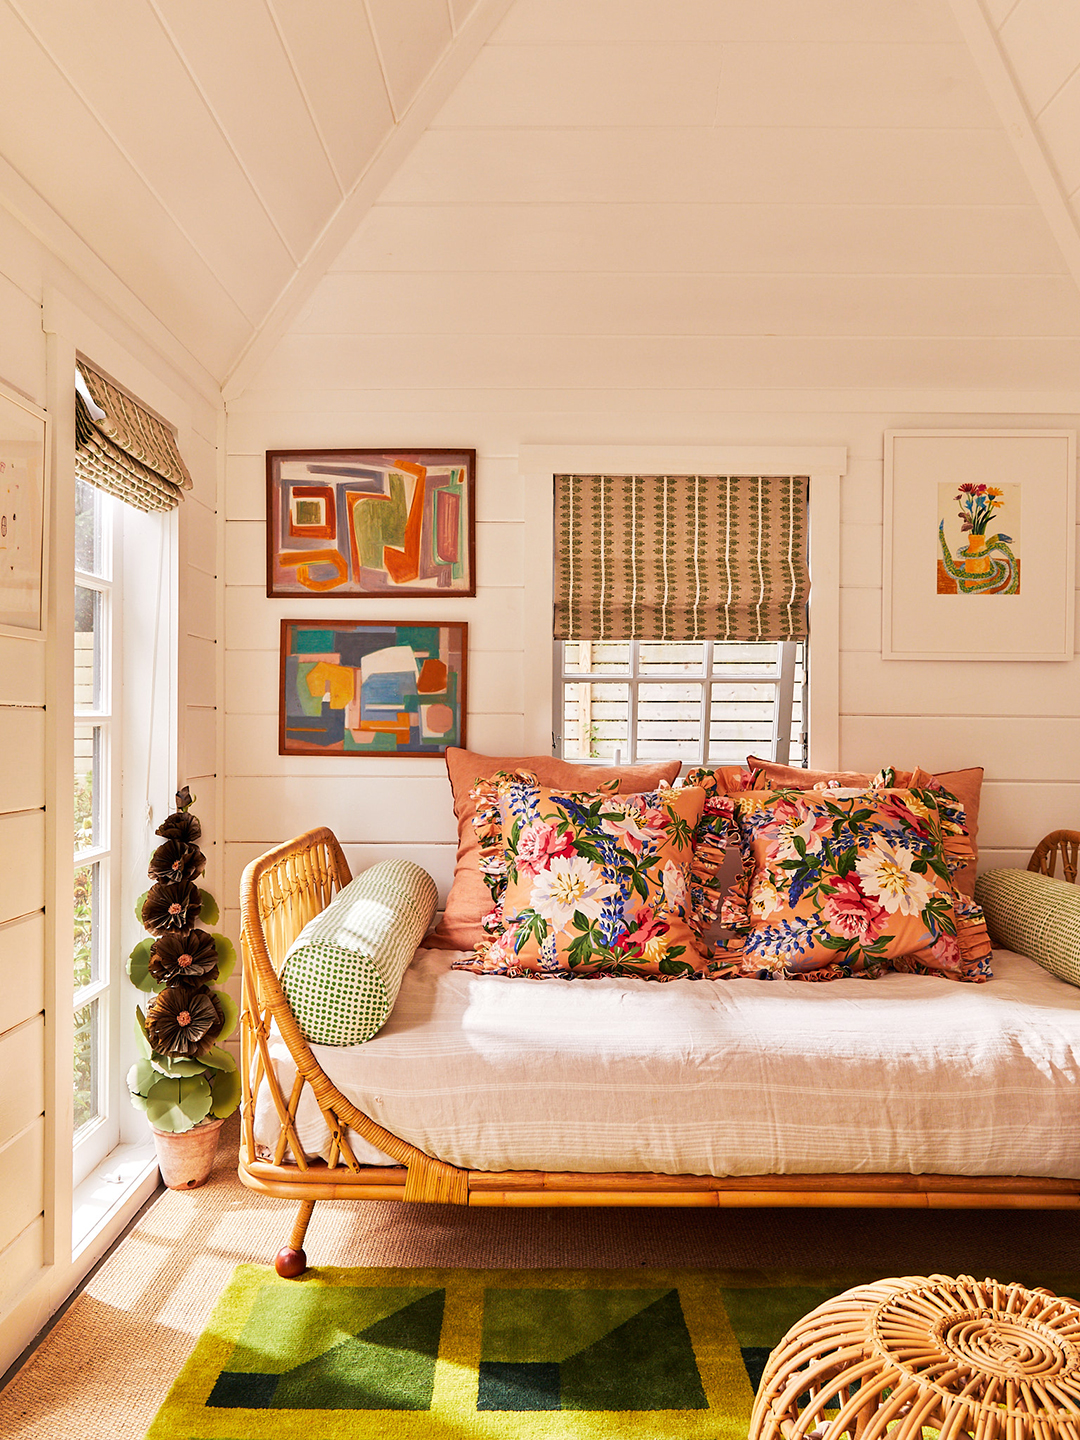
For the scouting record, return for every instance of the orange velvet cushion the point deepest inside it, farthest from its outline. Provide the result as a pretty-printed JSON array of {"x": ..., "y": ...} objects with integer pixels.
[
  {"x": 461, "y": 925},
  {"x": 591, "y": 882},
  {"x": 966, "y": 785},
  {"x": 850, "y": 882}
]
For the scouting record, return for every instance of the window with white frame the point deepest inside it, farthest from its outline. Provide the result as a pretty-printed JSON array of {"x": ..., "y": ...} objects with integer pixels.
[
  {"x": 702, "y": 702},
  {"x": 709, "y": 574}
]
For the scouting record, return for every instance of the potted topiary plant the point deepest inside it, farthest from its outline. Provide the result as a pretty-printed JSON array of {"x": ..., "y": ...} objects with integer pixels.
[{"x": 185, "y": 1081}]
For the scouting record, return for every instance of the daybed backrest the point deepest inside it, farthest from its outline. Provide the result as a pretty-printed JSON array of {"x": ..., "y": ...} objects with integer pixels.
[
  {"x": 285, "y": 888},
  {"x": 1063, "y": 843}
]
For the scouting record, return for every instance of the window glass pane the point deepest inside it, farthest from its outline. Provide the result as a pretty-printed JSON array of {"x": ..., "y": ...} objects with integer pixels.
[
  {"x": 89, "y": 537},
  {"x": 745, "y": 658},
  {"x": 87, "y": 936},
  {"x": 741, "y": 722},
  {"x": 669, "y": 721},
  {"x": 668, "y": 655},
  {"x": 87, "y": 786},
  {"x": 595, "y": 721},
  {"x": 87, "y": 649},
  {"x": 596, "y": 657},
  {"x": 86, "y": 1067}
]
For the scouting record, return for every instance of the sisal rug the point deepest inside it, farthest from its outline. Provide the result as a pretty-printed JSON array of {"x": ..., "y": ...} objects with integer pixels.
[{"x": 408, "y": 1354}]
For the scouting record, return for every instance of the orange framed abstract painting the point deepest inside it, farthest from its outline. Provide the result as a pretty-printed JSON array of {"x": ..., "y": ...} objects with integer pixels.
[
  {"x": 370, "y": 522},
  {"x": 978, "y": 545},
  {"x": 371, "y": 687}
]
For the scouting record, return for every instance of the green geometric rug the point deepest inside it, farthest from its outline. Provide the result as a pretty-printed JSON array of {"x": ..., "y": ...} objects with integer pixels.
[{"x": 411, "y": 1354}]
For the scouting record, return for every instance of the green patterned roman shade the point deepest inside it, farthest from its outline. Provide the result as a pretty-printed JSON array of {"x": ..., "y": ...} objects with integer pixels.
[
  {"x": 680, "y": 557},
  {"x": 121, "y": 448}
]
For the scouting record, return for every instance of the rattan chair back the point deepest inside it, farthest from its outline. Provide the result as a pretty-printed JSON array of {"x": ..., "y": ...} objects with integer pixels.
[{"x": 1063, "y": 845}]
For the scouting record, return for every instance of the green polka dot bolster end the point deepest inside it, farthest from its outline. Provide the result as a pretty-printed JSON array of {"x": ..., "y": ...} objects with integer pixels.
[
  {"x": 343, "y": 972},
  {"x": 1034, "y": 915}
]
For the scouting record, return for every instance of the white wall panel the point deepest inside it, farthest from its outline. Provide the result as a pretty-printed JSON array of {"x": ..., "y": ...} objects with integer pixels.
[
  {"x": 1025, "y": 813},
  {"x": 22, "y": 341},
  {"x": 22, "y": 734},
  {"x": 872, "y": 686},
  {"x": 1042, "y": 38},
  {"x": 437, "y": 860},
  {"x": 22, "y": 1053},
  {"x": 198, "y": 672},
  {"x": 22, "y": 671},
  {"x": 373, "y": 811},
  {"x": 22, "y": 863},
  {"x": 1021, "y": 748},
  {"x": 198, "y": 536},
  {"x": 200, "y": 741},
  {"x": 22, "y": 1183},
  {"x": 1059, "y": 124},
  {"x": 21, "y": 1263},
  {"x": 22, "y": 970}
]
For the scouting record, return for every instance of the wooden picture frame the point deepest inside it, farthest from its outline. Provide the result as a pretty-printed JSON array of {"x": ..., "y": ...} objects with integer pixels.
[
  {"x": 979, "y": 545},
  {"x": 23, "y": 499},
  {"x": 372, "y": 688},
  {"x": 388, "y": 522}
]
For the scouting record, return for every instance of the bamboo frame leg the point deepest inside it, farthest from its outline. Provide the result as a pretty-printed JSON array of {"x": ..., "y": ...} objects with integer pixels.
[{"x": 291, "y": 1260}]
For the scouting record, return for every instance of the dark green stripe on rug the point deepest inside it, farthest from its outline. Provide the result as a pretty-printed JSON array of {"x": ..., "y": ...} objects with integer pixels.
[{"x": 413, "y": 1354}]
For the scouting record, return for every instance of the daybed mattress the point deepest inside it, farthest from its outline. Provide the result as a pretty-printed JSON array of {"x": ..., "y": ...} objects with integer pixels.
[{"x": 905, "y": 1074}]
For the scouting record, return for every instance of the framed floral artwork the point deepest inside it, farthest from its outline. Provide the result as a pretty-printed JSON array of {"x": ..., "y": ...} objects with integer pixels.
[
  {"x": 372, "y": 687},
  {"x": 370, "y": 522},
  {"x": 978, "y": 559}
]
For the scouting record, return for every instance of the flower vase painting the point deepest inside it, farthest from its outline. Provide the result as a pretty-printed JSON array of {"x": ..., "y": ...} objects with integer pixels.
[{"x": 978, "y": 539}]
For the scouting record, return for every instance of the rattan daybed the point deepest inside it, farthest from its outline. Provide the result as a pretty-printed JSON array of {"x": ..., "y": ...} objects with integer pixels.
[{"x": 281, "y": 891}]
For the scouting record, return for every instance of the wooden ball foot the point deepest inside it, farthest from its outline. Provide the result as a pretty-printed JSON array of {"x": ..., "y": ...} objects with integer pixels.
[{"x": 290, "y": 1263}]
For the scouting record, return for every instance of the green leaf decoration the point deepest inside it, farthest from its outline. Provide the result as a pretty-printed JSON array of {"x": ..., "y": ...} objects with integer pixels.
[
  {"x": 139, "y": 903},
  {"x": 226, "y": 955},
  {"x": 141, "y": 1078},
  {"x": 176, "y": 1066},
  {"x": 225, "y": 1086},
  {"x": 209, "y": 913},
  {"x": 178, "y": 1105},
  {"x": 217, "y": 1059},
  {"x": 138, "y": 968},
  {"x": 232, "y": 1013},
  {"x": 142, "y": 1043}
]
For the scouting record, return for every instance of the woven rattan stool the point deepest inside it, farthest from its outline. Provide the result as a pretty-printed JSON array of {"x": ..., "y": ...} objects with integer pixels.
[{"x": 960, "y": 1356}]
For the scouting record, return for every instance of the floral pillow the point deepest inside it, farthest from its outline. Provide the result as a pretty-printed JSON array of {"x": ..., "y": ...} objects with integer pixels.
[
  {"x": 587, "y": 883},
  {"x": 850, "y": 882}
]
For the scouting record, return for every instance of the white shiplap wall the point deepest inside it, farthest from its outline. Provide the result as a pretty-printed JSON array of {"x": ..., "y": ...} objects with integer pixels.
[
  {"x": 769, "y": 222},
  {"x": 38, "y": 294}
]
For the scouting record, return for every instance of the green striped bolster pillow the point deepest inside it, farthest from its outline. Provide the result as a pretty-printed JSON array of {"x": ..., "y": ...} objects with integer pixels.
[
  {"x": 343, "y": 971},
  {"x": 1035, "y": 916}
]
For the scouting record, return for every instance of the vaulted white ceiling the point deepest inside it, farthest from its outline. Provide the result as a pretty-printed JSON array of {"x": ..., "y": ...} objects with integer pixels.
[{"x": 217, "y": 160}]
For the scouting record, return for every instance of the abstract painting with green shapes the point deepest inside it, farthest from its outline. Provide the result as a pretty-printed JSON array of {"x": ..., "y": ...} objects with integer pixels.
[{"x": 415, "y": 1354}]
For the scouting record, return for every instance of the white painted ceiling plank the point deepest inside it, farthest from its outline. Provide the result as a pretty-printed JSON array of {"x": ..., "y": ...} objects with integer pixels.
[
  {"x": 235, "y": 57},
  {"x": 738, "y": 239},
  {"x": 752, "y": 164},
  {"x": 1001, "y": 83},
  {"x": 154, "y": 120},
  {"x": 1059, "y": 126},
  {"x": 1042, "y": 41},
  {"x": 333, "y": 52},
  {"x": 442, "y": 81},
  {"x": 692, "y": 22},
  {"x": 568, "y": 303},
  {"x": 460, "y": 10},
  {"x": 411, "y": 36}
]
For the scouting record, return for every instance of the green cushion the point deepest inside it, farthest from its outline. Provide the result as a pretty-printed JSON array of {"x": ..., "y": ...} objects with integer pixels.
[
  {"x": 1035, "y": 916},
  {"x": 343, "y": 972}
]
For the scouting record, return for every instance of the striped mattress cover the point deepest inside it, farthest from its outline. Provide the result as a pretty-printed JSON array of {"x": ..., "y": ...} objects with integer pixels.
[{"x": 905, "y": 1074}]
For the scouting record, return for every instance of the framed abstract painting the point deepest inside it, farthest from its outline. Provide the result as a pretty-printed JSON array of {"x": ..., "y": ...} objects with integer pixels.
[
  {"x": 979, "y": 545},
  {"x": 371, "y": 687},
  {"x": 370, "y": 522}
]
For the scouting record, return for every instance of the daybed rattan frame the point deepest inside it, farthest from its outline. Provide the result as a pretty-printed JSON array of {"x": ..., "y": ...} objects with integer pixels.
[{"x": 280, "y": 892}]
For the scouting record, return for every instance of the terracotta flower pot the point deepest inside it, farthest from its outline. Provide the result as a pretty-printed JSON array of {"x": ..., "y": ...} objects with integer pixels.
[{"x": 186, "y": 1160}]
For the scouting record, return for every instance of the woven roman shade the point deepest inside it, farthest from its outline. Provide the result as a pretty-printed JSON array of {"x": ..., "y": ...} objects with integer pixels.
[
  {"x": 123, "y": 449},
  {"x": 680, "y": 557}
]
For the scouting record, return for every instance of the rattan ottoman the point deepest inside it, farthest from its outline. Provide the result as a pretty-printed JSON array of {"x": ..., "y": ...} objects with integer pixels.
[{"x": 960, "y": 1356}]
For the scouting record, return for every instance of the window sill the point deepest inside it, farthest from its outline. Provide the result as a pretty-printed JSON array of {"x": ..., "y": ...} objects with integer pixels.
[{"x": 111, "y": 1194}]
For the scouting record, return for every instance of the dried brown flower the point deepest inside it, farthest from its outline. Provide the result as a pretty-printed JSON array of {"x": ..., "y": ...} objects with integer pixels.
[
  {"x": 184, "y": 955},
  {"x": 184, "y": 1020},
  {"x": 180, "y": 826},
  {"x": 171, "y": 907},
  {"x": 176, "y": 861}
]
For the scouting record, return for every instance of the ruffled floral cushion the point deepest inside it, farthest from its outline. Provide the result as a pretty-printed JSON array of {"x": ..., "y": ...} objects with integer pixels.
[
  {"x": 587, "y": 883},
  {"x": 851, "y": 882}
]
